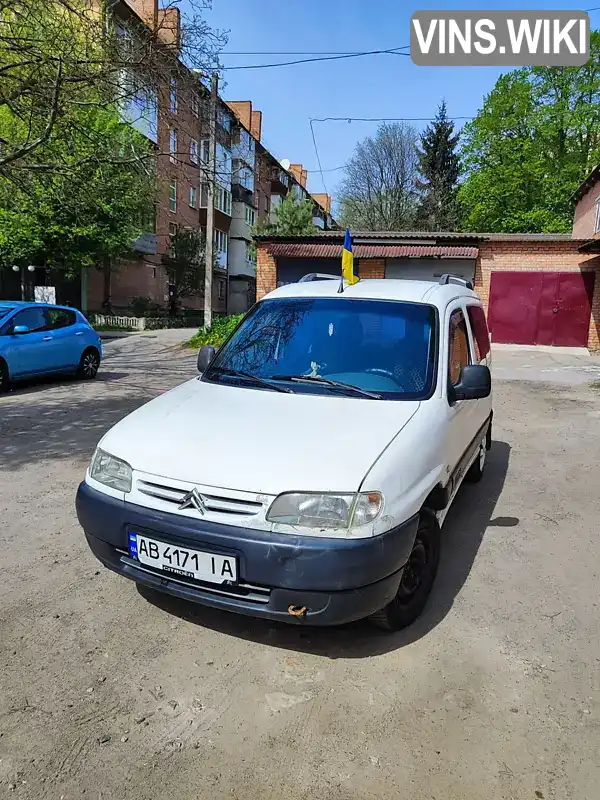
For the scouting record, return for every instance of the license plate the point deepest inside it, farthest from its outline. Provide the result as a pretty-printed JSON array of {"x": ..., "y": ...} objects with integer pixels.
[{"x": 182, "y": 561}]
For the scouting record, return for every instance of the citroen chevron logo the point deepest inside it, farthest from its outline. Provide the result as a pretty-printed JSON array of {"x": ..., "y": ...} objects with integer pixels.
[{"x": 195, "y": 500}]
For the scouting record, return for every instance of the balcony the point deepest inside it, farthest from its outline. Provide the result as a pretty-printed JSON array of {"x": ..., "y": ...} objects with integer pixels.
[
  {"x": 280, "y": 182},
  {"x": 146, "y": 243},
  {"x": 240, "y": 193}
]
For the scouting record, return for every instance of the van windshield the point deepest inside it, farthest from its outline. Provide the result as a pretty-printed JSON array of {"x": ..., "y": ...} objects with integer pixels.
[{"x": 379, "y": 346}]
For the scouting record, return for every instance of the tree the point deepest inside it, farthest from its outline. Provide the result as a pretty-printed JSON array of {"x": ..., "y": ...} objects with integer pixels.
[
  {"x": 378, "y": 191},
  {"x": 186, "y": 266},
  {"x": 439, "y": 167},
  {"x": 292, "y": 218},
  {"x": 57, "y": 55},
  {"x": 533, "y": 142},
  {"x": 70, "y": 218}
]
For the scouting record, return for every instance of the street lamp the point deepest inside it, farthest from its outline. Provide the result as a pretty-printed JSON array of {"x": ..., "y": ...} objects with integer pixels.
[{"x": 16, "y": 268}]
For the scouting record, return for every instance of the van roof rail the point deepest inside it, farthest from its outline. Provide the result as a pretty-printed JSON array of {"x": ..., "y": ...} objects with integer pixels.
[
  {"x": 318, "y": 276},
  {"x": 447, "y": 278}
]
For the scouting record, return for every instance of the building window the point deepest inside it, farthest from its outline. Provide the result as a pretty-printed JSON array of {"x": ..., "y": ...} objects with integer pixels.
[
  {"x": 224, "y": 120},
  {"x": 251, "y": 253},
  {"x": 154, "y": 272},
  {"x": 222, "y": 286},
  {"x": 597, "y": 224},
  {"x": 173, "y": 197},
  {"x": 173, "y": 95},
  {"x": 193, "y": 197},
  {"x": 195, "y": 104},
  {"x": 172, "y": 232},
  {"x": 223, "y": 200},
  {"x": 203, "y": 195},
  {"x": 250, "y": 216},
  {"x": 221, "y": 241},
  {"x": 194, "y": 151},
  {"x": 173, "y": 145},
  {"x": 205, "y": 151}
]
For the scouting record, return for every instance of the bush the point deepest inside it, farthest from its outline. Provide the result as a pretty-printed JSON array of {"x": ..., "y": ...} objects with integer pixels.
[
  {"x": 220, "y": 329},
  {"x": 140, "y": 306}
]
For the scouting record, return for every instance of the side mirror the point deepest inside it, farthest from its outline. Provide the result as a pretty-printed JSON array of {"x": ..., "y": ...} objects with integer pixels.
[
  {"x": 474, "y": 383},
  {"x": 20, "y": 329},
  {"x": 205, "y": 356}
]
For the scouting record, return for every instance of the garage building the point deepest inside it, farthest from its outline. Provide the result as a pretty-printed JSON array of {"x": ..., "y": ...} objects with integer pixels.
[{"x": 537, "y": 288}]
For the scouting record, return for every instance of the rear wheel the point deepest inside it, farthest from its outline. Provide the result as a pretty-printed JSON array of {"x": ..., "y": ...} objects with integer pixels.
[
  {"x": 417, "y": 578},
  {"x": 3, "y": 376},
  {"x": 89, "y": 364}
]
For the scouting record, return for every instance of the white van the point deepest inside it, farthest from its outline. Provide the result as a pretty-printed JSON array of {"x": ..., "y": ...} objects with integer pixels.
[{"x": 305, "y": 474}]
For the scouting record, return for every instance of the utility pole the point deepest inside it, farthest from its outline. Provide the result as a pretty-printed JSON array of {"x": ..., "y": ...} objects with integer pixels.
[{"x": 210, "y": 203}]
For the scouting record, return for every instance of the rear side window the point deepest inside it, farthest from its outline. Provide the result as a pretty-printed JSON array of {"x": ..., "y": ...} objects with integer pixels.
[
  {"x": 459, "y": 346},
  {"x": 480, "y": 331},
  {"x": 60, "y": 318}
]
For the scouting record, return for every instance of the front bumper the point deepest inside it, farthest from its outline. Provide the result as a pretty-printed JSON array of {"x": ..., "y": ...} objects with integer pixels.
[{"x": 337, "y": 580}]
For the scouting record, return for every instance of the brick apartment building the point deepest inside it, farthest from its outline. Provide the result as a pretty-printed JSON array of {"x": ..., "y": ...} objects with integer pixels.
[{"x": 249, "y": 181}]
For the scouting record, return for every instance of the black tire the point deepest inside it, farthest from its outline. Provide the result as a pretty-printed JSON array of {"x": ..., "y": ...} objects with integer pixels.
[
  {"x": 475, "y": 472},
  {"x": 417, "y": 578},
  {"x": 89, "y": 364},
  {"x": 4, "y": 376}
]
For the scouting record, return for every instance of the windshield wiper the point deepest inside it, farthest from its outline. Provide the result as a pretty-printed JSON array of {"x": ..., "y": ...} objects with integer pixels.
[
  {"x": 346, "y": 387},
  {"x": 235, "y": 373}
]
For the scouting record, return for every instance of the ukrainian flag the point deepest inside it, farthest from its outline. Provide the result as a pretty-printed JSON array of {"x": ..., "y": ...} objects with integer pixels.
[{"x": 348, "y": 260}]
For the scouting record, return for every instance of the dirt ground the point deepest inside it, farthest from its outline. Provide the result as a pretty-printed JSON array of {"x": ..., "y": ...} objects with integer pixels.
[{"x": 494, "y": 693}]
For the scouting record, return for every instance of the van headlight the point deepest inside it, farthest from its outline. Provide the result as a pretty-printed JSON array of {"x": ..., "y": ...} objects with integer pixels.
[
  {"x": 110, "y": 471},
  {"x": 313, "y": 510}
]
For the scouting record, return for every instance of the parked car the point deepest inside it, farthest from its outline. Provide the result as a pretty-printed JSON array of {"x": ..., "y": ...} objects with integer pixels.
[
  {"x": 305, "y": 475},
  {"x": 40, "y": 339}
]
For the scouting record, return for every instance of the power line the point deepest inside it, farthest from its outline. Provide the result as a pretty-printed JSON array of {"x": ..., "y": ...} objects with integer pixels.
[
  {"x": 299, "y": 52},
  {"x": 392, "y": 51},
  {"x": 379, "y": 119}
]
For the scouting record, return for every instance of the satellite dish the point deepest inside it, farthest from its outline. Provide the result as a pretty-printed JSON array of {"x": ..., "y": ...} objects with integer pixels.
[{"x": 285, "y": 163}]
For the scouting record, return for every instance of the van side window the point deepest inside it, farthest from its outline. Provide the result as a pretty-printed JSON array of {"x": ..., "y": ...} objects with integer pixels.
[
  {"x": 459, "y": 346},
  {"x": 480, "y": 331},
  {"x": 59, "y": 318}
]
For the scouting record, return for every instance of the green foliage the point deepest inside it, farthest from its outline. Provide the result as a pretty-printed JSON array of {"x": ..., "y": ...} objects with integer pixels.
[
  {"x": 533, "y": 142},
  {"x": 140, "y": 306},
  {"x": 292, "y": 218},
  {"x": 221, "y": 329},
  {"x": 439, "y": 167},
  {"x": 87, "y": 212}
]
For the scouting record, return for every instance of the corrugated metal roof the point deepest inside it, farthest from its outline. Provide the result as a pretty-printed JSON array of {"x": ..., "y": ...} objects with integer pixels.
[
  {"x": 414, "y": 237},
  {"x": 318, "y": 250}
]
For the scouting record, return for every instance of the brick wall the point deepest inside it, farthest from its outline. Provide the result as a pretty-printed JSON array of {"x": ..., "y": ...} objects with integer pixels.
[
  {"x": 266, "y": 271},
  {"x": 524, "y": 256},
  {"x": 371, "y": 268}
]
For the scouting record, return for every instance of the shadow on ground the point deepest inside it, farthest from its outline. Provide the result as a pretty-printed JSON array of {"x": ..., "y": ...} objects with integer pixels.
[
  {"x": 465, "y": 526},
  {"x": 57, "y": 427}
]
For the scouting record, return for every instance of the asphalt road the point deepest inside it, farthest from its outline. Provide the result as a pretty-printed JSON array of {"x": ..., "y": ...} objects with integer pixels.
[{"x": 493, "y": 693}]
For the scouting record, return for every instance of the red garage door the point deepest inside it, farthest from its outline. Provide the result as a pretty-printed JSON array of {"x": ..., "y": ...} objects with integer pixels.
[{"x": 541, "y": 307}]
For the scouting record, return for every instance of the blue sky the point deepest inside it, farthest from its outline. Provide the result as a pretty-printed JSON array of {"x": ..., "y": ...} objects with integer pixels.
[{"x": 371, "y": 86}]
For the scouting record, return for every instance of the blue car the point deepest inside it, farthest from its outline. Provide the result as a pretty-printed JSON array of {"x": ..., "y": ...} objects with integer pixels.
[{"x": 41, "y": 339}]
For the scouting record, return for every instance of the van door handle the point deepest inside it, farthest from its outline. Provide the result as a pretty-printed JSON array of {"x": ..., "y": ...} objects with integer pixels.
[
  {"x": 47, "y": 339},
  {"x": 79, "y": 333}
]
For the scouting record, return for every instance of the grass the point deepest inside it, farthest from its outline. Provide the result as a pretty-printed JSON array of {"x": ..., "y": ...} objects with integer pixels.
[{"x": 221, "y": 328}]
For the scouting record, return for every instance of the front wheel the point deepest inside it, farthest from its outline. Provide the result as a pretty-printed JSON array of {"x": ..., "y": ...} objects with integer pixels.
[
  {"x": 417, "y": 578},
  {"x": 89, "y": 364}
]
